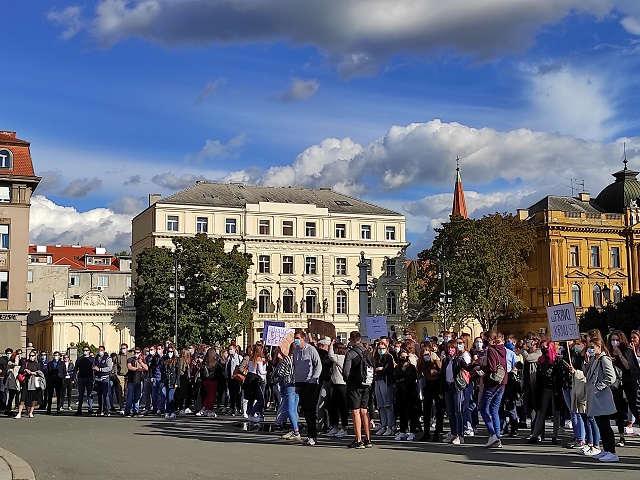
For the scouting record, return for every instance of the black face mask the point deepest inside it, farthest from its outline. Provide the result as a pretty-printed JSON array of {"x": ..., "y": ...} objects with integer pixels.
[{"x": 544, "y": 350}]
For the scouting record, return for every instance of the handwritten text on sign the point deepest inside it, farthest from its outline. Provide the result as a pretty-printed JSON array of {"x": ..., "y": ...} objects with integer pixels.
[
  {"x": 275, "y": 335},
  {"x": 563, "y": 324}
]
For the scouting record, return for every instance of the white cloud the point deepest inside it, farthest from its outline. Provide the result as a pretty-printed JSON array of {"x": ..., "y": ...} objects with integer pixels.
[
  {"x": 172, "y": 182},
  {"x": 216, "y": 149},
  {"x": 210, "y": 89},
  {"x": 357, "y": 34},
  {"x": 300, "y": 90},
  {"x": 55, "y": 224},
  {"x": 69, "y": 19}
]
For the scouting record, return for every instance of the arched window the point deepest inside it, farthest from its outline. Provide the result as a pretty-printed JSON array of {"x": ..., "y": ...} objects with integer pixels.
[
  {"x": 341, "y": 302},
  {"x": 576, "y": 297},
  {"x": 617, "y": 294},
  {"x": 311, "y": 302},
  {"x": 392, "y": 304},
  {"x": 264, "y": 301},
  {"x": 288, "y": 300},
  {"x": 597, "y": 296},
  {"x": 6, "y": 159}
]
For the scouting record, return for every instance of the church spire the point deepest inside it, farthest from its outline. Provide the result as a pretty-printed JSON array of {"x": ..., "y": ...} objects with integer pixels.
[{"x": 459, "y": 204}]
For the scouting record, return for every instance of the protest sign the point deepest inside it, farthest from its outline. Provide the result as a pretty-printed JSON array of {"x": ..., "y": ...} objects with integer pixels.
[
  {"x": 563, "y": 324},
  {"x": 275, "y": 335},
  {"x": 286, "y": 342},
  {"x": 376, "y": 327},
  {"x": 319, "y": 329},
  {"x": 265, "y": 330}
]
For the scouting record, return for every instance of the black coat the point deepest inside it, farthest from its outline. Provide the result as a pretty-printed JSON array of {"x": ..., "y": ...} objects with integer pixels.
[{"x": 53, "y": 373}]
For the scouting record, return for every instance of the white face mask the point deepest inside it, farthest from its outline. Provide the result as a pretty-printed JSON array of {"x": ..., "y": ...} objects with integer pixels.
[
  {"x": 123, "y": 351},
  {"x": 170, "y": 354},
  {"x": 615, "y": 343}
]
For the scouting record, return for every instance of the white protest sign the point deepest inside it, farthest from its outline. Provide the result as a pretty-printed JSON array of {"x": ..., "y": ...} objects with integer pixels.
[
  {"x": 275, "y": 335},
  {"x": 376, "y": 327},
  {"x": 563, "y": 324}
]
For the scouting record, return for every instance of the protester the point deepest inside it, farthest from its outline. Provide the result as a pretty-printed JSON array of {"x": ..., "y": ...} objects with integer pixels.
[
  {"x": 384, "y": 387},
  {"x": 235, "y": 393},
  {"x": 290, "y": 396},
  {"x": 355, "y": 372},
  {"x": 68, "y": 382},
  {"x": 430, "y": 368},
  {"x": 136, "y": 368},
  {"x": 405, "y": 377},
  {"x": 170, "y": 379},
  {"x": 307, "y": 368},
  {"x": 54, "y": 376},
  {"x": 457, "y": 362},
  {"x": 32, "y": 384},
  {"x": 495, "y": 378},
  {"x": 210, "y": 373},
  {"x": 338, "y": 412},
  {"x": 185, "y": 389},
  {"x": 84, "y": 379}
]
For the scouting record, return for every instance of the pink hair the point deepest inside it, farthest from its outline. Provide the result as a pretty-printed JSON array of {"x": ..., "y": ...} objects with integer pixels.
[{"x": 552, "y": 353}]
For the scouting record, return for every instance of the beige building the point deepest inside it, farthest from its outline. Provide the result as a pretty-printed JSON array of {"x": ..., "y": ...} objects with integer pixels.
[
  {"x": 17, "y": 183},
  {"x": 305, "y": 246}
]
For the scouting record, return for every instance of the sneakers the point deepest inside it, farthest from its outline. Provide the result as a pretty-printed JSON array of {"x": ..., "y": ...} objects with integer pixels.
[
  {"x": 311, "y": 442},
  {"x": 256, "y": 418},
  {"x": 628, "y": 431},
  {"x": 401, "y": 436},
  {"x": 600, "y": 454},
  {"x": 592, "y": 452},
  {"x": 609, "y": 458},
  {"x": 457, "y": 441},
  {"x": 182, "y": 412},
  {"x": 448, "y": 438},
  {"x": 341, "y": 433},
  {"x": 201, "y": 413},
  {"x": 469, "y": 433},
  {"x": 380, "y": 431},
  {"x": 367, "y": 443},
  {"x": 18, "y": 416},
  {"x": 293, "y": 436},
  {"x": 172, "y": 416},
  {"x": 187, "y": 411},
  {"x": 212, "y": 414},
  {"x": 332, "y": 432},
  {"x": 166, "y": 416},
  {"x": 356, "y": 445},
  {"x": 411, "y": 437},
  {"x": 493, "y": 439},
  {"x": 388, "y": 432}
]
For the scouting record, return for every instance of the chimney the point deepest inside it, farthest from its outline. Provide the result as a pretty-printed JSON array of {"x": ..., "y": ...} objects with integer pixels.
[
  {"x": 5, "y": 133},
  {"x": 153, "y": 198},
  {"x": 584, "y": 196},
  {"x": 523, "y": 213}
]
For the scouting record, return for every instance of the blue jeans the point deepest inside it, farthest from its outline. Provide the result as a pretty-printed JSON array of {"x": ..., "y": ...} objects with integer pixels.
[
  {"x": 291, "y": 399},
  {"x": 281, "y": 413},
  {"x": 453, "y": 399},
  {"x": 490, "y": 409},
  {"x": 102, "y": 391},
  {"x": 85, "y": 384},
  {"x": 134, "y": 392},
  {"x": 467, "y": 417},
  {"x": 384, "y": 399},
  {"x": 577, "y": 425},
  {"x": 592, "y": 432},
  {"x": 157, "y": 395},
  {"x": 171, "y": 404}
]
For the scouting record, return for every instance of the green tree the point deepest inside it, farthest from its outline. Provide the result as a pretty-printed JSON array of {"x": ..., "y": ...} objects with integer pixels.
[
  {"x": 81, "y": 345},
  {"x": 624, "y": 316},
  {"x": 215, "y": 308}
]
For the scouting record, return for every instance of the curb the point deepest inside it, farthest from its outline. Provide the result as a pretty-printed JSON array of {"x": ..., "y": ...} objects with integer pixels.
[{"x": 20, "y": 469}]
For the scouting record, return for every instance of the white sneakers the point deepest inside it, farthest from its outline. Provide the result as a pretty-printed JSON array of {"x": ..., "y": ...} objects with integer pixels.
[
  {"x": 310, "y": 442},
  {"x": 469, "y": 433},
  {"x": 187, "y": 411},
  {"x": 628, "y": 431},
  {"x": 457, "y": 441},
  {"x": 211, "y": 414},
  {"x": 18, "y": 416}
]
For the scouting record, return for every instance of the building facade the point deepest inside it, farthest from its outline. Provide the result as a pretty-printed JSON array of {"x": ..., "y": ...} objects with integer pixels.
[
  {"x": 586, "y": 252},
  {"x": 305, "y": 246},
  {"x": 17, "y": 184}
]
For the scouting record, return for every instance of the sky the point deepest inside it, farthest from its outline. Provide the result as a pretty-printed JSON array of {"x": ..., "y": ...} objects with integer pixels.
[{"x": 374, "y": 98}]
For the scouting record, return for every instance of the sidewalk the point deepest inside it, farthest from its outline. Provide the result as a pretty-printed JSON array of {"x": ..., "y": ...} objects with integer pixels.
[{"x": 13, "y": 467}]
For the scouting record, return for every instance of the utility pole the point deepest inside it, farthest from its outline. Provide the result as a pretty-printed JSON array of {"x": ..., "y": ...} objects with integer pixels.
[{"x": 176, "y": 291}]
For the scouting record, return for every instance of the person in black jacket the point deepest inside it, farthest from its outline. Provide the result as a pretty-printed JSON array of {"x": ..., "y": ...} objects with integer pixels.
[
  {"x": 170, "y": 380},
  {"x": 383, "y": 381},
  {"x": 84, "y": 378},
  {"x": 68, "y": 380},
  {"x": 405, "y": 376},
  {"x": 54, "y": 376}
]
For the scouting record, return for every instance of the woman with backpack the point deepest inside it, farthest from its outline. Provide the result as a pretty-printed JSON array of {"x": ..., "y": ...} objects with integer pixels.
[
  {"x": 494, "y": 380},
  {"x": 456, "y": 379}
]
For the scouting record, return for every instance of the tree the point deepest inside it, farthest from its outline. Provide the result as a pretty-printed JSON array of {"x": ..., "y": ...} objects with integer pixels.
[
  {"x": 485, "y": 261},
  {"x": 624, "y": 316},
  {"x": 215, "y": 308}
]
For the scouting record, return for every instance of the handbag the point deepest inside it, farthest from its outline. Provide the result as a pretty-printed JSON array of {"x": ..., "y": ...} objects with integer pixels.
[
  {"x": 240, "y": 376},
  {"x": 462, "y": 379},
  {"x": 21, "y": 377},
  {"x": 498, "y": 375}
]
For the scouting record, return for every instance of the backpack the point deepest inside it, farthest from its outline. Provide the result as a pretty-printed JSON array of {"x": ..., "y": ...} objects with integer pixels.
[{"x": 366, "y": 369}]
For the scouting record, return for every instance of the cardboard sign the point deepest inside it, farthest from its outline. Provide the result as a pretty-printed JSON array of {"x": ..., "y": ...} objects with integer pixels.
[
  {"x": 265, "y": 330},
  {"x": 275, "y": 335},
  {"x": 376, "y": 327},
  {"x": 563, "y": 324},
  {"x": 286, "y": 342},
  {"x": 319, "y": 329}
]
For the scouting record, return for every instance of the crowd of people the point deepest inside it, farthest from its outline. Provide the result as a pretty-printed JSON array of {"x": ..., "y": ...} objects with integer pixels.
[{"x": 390, "y": 388}]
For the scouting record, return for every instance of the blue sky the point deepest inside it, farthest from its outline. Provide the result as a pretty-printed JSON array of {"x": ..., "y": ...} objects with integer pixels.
[{"x": 374, "y": 98}]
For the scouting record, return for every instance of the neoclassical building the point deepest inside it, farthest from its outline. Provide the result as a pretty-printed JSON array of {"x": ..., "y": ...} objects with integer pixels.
[
  {"x": 586, "y": 251},
  {"x": 305, "y": 244}
]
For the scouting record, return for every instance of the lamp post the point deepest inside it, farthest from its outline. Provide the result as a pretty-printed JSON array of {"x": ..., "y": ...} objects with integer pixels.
[
  {"x": 176, "y": 291},
  {"x": 363, "y": 290},
  {"x": 445, "y": 295}
]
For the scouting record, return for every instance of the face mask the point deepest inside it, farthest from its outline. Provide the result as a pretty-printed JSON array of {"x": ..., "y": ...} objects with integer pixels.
[
  {"x": 152, "y": 352},
  {"x": 452, "y": 352},
  {"x": 427, "y": 358},
  {"x": 160, "y": 352},
  {"x": 56, "y": 358},
  {"x": 403, "y": 359},
  {"x": 460, "y": 347},
  {"x": 231, "y": 352},
  {"x": 529, "y": 343},
  {"x": 297, "y": 342},
  {"x": 615, "y": 343},
  {"x": 382, "y": 351},
  {"x": 577, "y": 348},
  {"x": 43, "y": 357},
  {"x": 170, "y": 354},
  {"x": 123, "y": 351},
  {"x": 509, "y": 345},
  {"x": 544, "y": 351},
  {"x": 440, "y": 339},
  {"x": 86, "y": 353},
  {"x": 100, "y": 353},
  {"x": 137, "y": 355},
  {"x": 192, "y": 351},
  {"x": 447, "y": 339},
  {"x": 591, "y": 351},
  {"x": 479, "y": 345}
]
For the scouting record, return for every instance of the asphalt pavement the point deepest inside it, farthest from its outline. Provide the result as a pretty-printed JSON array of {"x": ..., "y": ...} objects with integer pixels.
[{"x": 106, "y": 448}]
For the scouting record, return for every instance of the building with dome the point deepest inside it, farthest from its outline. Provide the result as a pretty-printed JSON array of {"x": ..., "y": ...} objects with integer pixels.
[{"x": 586, "y": 251}]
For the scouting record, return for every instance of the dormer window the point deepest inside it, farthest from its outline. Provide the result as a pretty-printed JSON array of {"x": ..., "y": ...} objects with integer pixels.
[
  {"x": 6, "y": 159},
  {"x": 5, "y": 194}
]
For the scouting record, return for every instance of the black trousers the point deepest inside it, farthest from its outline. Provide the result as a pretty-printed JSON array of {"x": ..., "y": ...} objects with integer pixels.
[
  {"x": 431, "y": 397},
  {"x": 622, "y": 408},
  {"x": 606, "y": 433},
  {"x": 309, "y": 394},
  {"x": 67, "y": 389},
  {"x": 406, "y": 405},
  {"x": 235, "y": 397},
  {"x": 338, "y": 410},
  {"x": 54, "y": 384}
]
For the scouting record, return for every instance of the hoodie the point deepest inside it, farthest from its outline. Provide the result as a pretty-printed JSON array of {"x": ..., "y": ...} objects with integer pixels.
[{"x": 496, "y": 355}]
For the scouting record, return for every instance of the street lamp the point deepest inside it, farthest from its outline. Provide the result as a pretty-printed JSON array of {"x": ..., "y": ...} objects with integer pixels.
[
  {"x": 363, "y": 289},
  {"x": 446, "y": 296},
  {"x": 176, "y": 291},
  {"x": 606, "y": 293}
]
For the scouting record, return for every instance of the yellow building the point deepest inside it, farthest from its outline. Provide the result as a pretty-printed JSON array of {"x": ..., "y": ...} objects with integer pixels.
[
  {"x": 305, "y": 245},
  {"x": 586, "y": 252}
]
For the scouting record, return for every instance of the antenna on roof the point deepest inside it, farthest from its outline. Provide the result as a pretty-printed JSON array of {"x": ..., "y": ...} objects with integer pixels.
[
  {"x": 624, "y": 148},
  {"x": 574, "y": 186}
]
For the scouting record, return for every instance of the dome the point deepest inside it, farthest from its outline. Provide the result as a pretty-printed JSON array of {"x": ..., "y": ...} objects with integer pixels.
[{"x": 614, "y": 198}]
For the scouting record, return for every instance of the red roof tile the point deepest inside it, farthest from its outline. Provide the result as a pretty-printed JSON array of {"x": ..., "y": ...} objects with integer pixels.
[
  {"x": 22, "y": 164},
  {"x": 66, "y": 255}
]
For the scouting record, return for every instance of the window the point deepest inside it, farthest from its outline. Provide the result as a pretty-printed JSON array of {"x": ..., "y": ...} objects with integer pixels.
[
  {"x": 172, "y": 223},
  {"x": 342, "y": 337},
  {"x": 341, "y": 266},
  {"x": 391, "y": 267},
  {"x": 392, "y": 304},
  {"x": 4, "y": 285},
  {"x": 202, "y": 224},
  {"x": 30, "y": 276},
  {"x": 6, "y": 158},
  {"x": 74, "y": 280},
  {"x": 574, "y": 256},
  {"x": 390, "y": 233},
  {"x": 617, "y": 294},
  {"x": 576, "y": 298},
  {"x": 264, "y": 301},
  {"x": 597, "y": 296},
  {"x": 230, "y": 225},
  {"x": 128, "y": 282},
  {"x": 311, "y": 302},
  {"x": 310, "y": 229},
  {"x": 4, "y": 237},
  {"x": 310, "y": 265},
  {"x": 341, "y": 302},
  {"x": 369, "y": 303},
  {"x": 28, "y": 297},
  {"x": 615, "y": 257},
  {"x": 341, "y": 230},
  {"x": 103, "y": 281},
  {"x": 287, "y": 264},
  {"x": 288, "y": 301},
  {"x": 264, "y": 227},
  {"x": 595, "y": 256},
  {"x": 343, "y": 203},
  {"x": 287, "y": 228},
  {"x": 98, "y": 261},
  {"x": 264, "y": 264},
  {"x": 365, "y": 232},
  {"x": 5, "y": 193}
]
